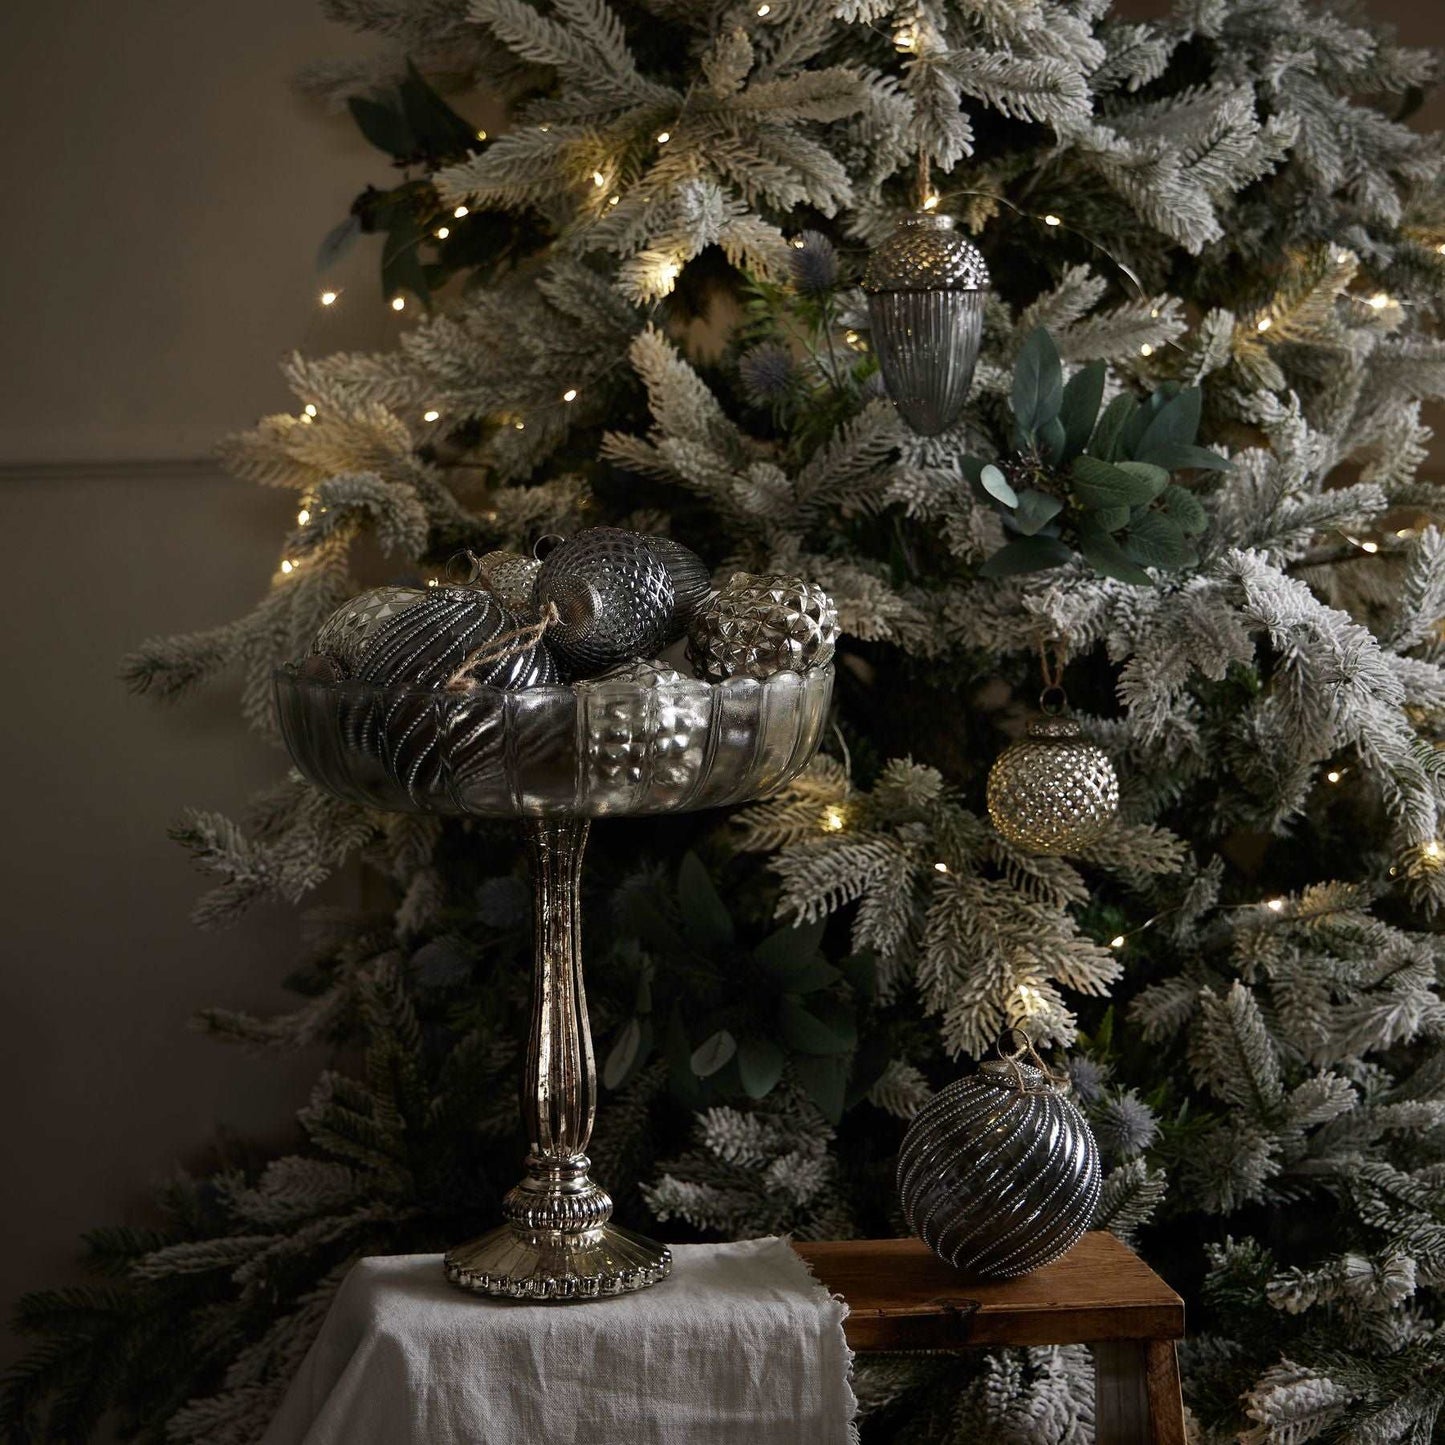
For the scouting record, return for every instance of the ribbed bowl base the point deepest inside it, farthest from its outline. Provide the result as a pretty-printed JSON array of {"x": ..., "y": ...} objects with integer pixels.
[{"x": 554, "y": 1267}]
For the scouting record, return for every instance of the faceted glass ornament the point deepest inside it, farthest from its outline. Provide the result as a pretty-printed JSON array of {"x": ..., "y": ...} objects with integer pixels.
[
  {"x": 1053, "y": 792},
  {"x": 345, "y": 634},
  {"x": 758, "y": 625},
  {"x": 510, "y": 577},
  {"x": 926, "y": 287},
  {"x": 614, "y": 595},
  {"x": 999, "y": 1173}
]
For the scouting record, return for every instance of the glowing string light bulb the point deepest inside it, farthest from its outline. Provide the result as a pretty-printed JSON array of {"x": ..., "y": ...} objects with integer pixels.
[
  {"x": 460, "y": 212},
  {"x": 398, "y": 303},
  {"x": 1275, "y": 905},
  {"x": 328, "y": 298},
  {"x": 481, "y": 135},
  {"x": 1117, "y": 941},
  {"x": 930, "y": 202},
  {"x": 940, "y": 867},
  {"x": 443, "y": 232},
  {"x": 570, "y": 394},
  {"x": 1146, "y": 350},
  {"x": 309, "y": 408},
  {"x": 430, "y": 415},
  {"x": 1379, "y": 301},
  {"x": 664, "y": 137},
  {"x": 288, "y": 567},
  {"x": 1264, "y": 323},
  {"x": 833, "y": 820},
  {"x": 303, "y": 517},
  {"x": 598, "y": 179},
  {"x": 765, "y": 10},
  {"x": 1052, "y": 220}
]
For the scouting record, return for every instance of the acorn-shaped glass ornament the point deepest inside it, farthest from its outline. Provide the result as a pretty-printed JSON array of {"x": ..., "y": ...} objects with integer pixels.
[
  {"x": 613, "y": 597},
  {"x": 926, "y": 287},
  {"x": 756, "y": 625},
  {"x": 999, "y": 1173}
]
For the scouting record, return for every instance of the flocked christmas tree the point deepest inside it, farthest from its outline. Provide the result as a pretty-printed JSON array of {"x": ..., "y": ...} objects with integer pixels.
[{"x": 642, "y": 305}]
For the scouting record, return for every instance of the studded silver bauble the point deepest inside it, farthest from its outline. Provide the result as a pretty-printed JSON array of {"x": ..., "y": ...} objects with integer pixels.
[
  {"x": 756, "y": 625},
  {"x": 510, "y": 577},
  {"x": 346, "y": 633},
  {"x": 999, "y": 1173},
  {"x": 926, "y": 287},
  {"x": 1053, "y": 792},
  {"x": 691, "y": 581},
  {"x": 613, "y": 596}
]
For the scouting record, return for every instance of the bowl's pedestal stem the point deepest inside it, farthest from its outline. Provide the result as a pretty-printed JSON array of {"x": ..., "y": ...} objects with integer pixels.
[{"x": 557, "y": 1243}]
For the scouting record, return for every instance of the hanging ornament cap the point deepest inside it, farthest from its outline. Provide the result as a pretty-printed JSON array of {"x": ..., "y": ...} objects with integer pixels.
[{"x": 925, "y": 253}]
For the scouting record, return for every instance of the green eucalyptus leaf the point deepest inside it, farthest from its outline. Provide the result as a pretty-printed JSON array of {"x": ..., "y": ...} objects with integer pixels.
[
  {"x": 1079, "y": 408},
  {"x": 825, "y": 1081},
  {"x": 1182, "y": 457},
  {"x": 1104, "y": 484},
  {"x": 623, "y": 1055},
  {"x": 1106, "y": 556},
  {"x": 1184, "y": 509},
  {"x": 1052, "y": 440},
  {"x": 997, "y": 486},
  {"x": 704, "y": 913},
  {"x": 807, "y": 1033},
  {"x": 1111, "y": 519},
  {"x": 383, "y": 125},
  {"x": 789, "y": 950},
  {"x": 1038, "y": 386},
  {"x": 760, "y": 1066},
  {"x": 1104, "y": 443},
  {"x": 401, "y": 264},
  {"x": 1153, "y": 540},
  {"x": 1148, "y": 473},
  {"x": 1035, "y": 510},
  {"x": 713, "y": 1053},
  {"x": 438, "y": 129},
  {"x": 1175, "y": 425},
  {"x": 1026, "y": 554}
]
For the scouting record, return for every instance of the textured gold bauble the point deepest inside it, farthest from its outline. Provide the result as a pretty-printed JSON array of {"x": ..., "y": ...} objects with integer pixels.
[{"x": 1052, "y": 792}]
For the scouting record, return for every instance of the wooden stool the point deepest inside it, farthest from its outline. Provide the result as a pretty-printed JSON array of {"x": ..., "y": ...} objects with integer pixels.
[{"x": 901, "y": 1296}]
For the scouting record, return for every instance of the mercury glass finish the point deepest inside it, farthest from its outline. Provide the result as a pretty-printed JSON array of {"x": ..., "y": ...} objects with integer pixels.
[
  {"x": 1053, "y": 791},
  {"x": 999, "y": 1172},
  {"x": 555, "y": 757},
  {"x": 926, "y": 287}
]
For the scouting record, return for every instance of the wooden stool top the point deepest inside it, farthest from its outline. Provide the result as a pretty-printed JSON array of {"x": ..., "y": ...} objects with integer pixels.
[{"x": 901, "y": 1296}]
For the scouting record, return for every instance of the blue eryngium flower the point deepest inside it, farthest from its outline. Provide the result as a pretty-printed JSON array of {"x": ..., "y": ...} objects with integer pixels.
[
  {"x": 767, "y": 373},
  {"x": 814, "y": 264}
]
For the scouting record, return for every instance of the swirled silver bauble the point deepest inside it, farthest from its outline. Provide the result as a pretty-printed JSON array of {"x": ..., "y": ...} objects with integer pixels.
[
  {"x": 614, "y": 597},
  {"x": 691, "y": 581},
  {"x": 756, "y": 625},
  {"x": 926, "y": 287},
  {"x": 999, "y": 1173},
  {"x": 1053, "y": 791}
]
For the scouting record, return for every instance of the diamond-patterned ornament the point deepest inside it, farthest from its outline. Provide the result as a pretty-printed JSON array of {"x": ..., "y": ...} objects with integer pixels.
[
  {"x": 614, "y": 596},
  {"x": 509, "y": 577},
  {"x": 346, "y": 634},
  {"x": 1052, "y": 792},
  {"x": 758, "y": 625}
]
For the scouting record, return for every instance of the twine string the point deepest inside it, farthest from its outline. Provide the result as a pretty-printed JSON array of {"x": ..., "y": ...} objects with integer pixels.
[{"x": 508, "y": 644}]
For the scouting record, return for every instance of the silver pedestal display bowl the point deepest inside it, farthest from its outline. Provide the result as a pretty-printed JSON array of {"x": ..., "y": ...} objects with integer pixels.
[{"x": 555, "y": 758}]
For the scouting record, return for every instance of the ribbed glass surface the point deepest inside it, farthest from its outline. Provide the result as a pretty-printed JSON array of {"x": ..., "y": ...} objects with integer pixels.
[
  {"x": 998, "y": 1182},
  {"x": 596, "y": 748},
  {"x": 927, "y": 344}
]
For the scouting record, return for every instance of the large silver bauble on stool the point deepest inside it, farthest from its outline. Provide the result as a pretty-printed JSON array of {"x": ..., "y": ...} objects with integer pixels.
[
  {"x": 926, "y": 287},
  {"x": 999, "y": 1173}
]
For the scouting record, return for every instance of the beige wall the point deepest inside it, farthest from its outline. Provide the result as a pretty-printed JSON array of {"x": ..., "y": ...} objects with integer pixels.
[{"x": 164, "y": 193}]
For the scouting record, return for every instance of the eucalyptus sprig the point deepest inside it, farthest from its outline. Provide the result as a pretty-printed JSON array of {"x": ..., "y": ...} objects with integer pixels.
[{"x": 1079, "y": 482}]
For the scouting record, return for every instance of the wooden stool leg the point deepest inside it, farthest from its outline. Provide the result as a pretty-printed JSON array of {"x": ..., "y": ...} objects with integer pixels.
[
  {"x": 1121, "y": 1393},
  {"x": 1166, "y": 1397}
]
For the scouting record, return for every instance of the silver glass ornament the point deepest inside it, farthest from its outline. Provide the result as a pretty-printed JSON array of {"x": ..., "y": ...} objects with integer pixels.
[
  {"x": 926, "y": 287},
  {"x": 345, "y": 634},
  {"x": 690, "y": 578},
  {"x": 999, "y": 1173},
  {"x": 756, "y": 625},
  {"x": 1053, "y": 791},
  {"x": 613, "y": 596},
  {"x": 510, "y": 577}
]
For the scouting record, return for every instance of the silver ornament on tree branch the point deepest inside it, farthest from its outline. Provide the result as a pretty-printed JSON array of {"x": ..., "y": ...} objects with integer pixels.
[
  {"x": 757, "y": 625},
  {"x": 999, "y": 1173},
  {"x": 1053, "y": 791},
  {"x": 926, "y": 286}
]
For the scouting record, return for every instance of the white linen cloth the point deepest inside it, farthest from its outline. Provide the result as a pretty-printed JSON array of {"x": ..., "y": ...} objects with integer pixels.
[{"x": 739, "y": 1344}]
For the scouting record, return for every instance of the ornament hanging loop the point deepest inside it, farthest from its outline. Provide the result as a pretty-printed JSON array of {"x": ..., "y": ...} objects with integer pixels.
[
  {"x": 1039, "y": 1078},
  {"x": 463, "y": 568},
  {"x": 1053, "y": 700}
]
